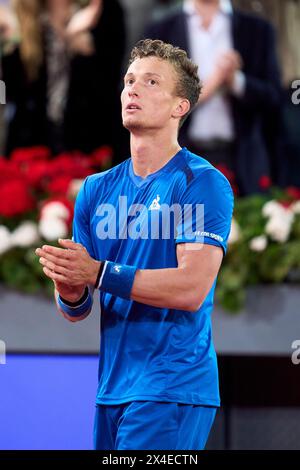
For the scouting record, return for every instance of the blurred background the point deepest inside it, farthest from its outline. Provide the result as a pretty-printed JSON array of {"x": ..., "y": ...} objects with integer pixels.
[{"x": 61, "y": 68}]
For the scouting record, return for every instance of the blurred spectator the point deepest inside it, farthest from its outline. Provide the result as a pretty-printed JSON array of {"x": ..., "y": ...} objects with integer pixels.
[
  {"x": 62, "y": 69},
  {"x": 164, "y": 7},
  {"x": 236, "y": 54},
  {"x": 288, "y": 16}
]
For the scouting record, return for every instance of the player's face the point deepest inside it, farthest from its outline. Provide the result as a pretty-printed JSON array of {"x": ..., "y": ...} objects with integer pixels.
[{"x": 148, "y": 98}]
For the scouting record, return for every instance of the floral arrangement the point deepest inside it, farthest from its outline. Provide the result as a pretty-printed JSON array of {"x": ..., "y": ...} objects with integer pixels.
[
  {"x": 37, "y": 193},
  {"x": 263, "y": 245}
]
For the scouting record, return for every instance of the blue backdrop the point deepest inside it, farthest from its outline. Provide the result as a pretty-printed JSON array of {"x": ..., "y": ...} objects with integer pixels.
[{"x": 47, "y": 402}]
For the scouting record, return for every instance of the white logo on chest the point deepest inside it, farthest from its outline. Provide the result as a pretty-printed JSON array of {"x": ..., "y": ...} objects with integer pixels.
[{"x": 155, "y": 206}]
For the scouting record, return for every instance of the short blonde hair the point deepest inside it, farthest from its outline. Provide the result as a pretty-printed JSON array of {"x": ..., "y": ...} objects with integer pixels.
[{"x": 188, "y": 84}]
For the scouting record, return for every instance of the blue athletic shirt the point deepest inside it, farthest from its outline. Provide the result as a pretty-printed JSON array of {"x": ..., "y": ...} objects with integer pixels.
[{"x": 150, "y": 353}]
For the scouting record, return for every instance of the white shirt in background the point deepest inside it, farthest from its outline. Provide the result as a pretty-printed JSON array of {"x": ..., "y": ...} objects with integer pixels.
[{"x": 212, "y": 119}]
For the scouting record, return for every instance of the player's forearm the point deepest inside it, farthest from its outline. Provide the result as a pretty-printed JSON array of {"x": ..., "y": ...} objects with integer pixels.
[
  {"x": 172, "y": 288},
  {"x": 165, "y": 288}
]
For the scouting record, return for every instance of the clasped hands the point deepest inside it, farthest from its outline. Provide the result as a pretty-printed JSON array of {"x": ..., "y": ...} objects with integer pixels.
[
  {"x": 223, "y": 75},
  {"x": 228, "y": 64},
  {"x": 71, "y": 268}
]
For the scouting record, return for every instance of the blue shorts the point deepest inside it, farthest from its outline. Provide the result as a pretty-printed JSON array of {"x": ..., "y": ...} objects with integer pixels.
[{"x": 149, "y": 425}]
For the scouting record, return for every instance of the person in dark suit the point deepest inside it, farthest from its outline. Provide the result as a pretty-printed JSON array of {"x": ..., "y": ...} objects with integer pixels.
[
  {"x": 237, "y": 115},
  {"x": 63, "y": 77}
]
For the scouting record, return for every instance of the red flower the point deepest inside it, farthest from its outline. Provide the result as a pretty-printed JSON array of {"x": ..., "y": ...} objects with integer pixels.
[
  {"x": 37, "y": 173},
  {"x": 26, "y": 154},
  {"x": 102, "y": 156},
  {"x": 79, "y": 155},
  {"x": 293, "y": 192},
  {"x": 15, "y": 198},
  {"x": 265, "y": 182},
  {"x": 71, "y": 164},
  {"x": 59, "y": 185},
  {"x": 285, "y": 204},
  {"x": 9, "y": 170}
]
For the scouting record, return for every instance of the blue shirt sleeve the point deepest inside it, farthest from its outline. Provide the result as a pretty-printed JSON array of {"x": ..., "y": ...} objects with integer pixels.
[
  {"x": 81, "y": 221},
  {"x": 207, "y": 207}
]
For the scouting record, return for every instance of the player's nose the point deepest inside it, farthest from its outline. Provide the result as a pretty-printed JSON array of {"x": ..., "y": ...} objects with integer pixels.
[{"x": 132, "y": 92}]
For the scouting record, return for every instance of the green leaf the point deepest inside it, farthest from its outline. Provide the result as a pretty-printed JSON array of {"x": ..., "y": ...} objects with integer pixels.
[{"x": 231, "y": 300}]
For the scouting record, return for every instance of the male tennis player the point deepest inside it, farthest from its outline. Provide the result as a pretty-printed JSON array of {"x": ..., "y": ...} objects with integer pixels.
[{"x": 150, "y": 235}]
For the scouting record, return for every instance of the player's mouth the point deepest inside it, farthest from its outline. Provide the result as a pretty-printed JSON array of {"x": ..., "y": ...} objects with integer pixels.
[{"x": 132, "y": 107}]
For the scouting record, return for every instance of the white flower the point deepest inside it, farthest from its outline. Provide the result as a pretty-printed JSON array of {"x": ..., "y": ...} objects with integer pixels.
[
  {"x": 295, "y": 207},
  {"x": 25, "y": 235},
  {"x": 258, "y": 243},
  {"x": 74, "y": 187},
  {"x": 55, "y": 210},
  {"x": 272, "y": 208},
  {"x": 52, "y": 228},
  {"x": 5, "y": 239},
  {"x": 234, "y": 235},
  {"x": 279, "y": 227}
]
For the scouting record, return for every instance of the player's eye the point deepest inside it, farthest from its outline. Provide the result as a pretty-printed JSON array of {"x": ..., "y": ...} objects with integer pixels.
[{"x": 152, "y": 81}]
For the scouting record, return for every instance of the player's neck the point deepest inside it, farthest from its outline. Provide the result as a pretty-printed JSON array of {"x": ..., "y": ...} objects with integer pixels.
[{"x": 149, "y": 154}]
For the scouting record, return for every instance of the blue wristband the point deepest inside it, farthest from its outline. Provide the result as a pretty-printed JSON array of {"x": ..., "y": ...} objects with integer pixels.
[
  {"x": 117, "y": 279},
  {"x": 76, "y": 310}
]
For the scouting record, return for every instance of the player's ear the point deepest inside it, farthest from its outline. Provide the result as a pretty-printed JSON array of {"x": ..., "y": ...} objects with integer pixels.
[{"x": 182, "y": 108}]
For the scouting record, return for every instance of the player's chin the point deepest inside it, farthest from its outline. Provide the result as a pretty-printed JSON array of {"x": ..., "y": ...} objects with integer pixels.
[{"x": 131, "y": 123}]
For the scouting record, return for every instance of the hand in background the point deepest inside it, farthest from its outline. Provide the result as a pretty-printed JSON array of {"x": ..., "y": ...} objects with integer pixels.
[
  {"x": 227, "y": 65},
  {"x": 82, "y": 43},
  {"x": 9, "y": 28},
  {"x": 84, "y": 19}
]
